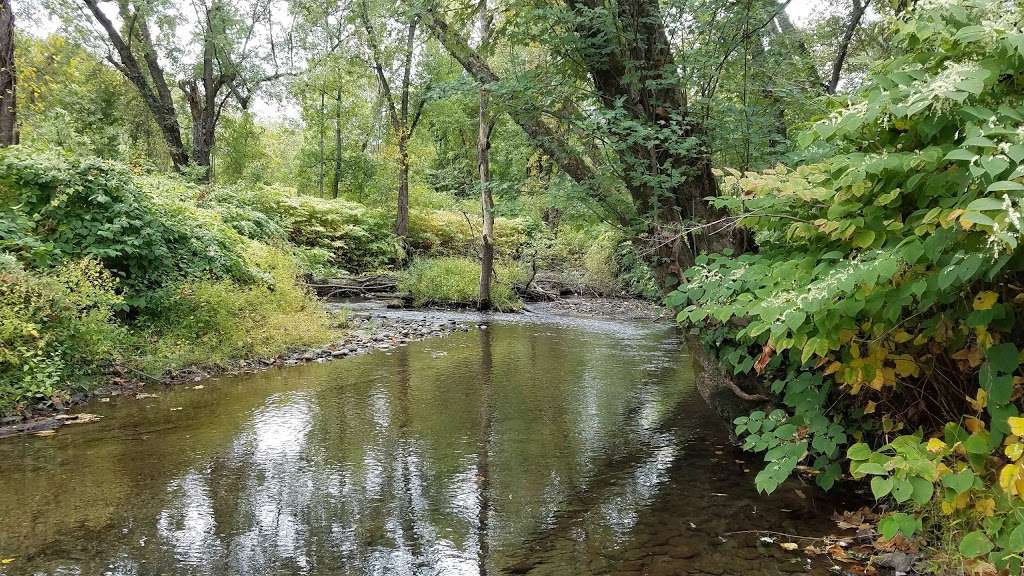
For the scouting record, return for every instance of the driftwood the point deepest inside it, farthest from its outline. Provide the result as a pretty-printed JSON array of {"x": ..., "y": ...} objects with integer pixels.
[{"x": 354, "y": 286}]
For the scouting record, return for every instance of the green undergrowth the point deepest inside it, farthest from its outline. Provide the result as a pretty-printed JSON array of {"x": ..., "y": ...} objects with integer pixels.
[
  {"x": 100, "y": 267},
  {"x": 451, "y": 281}
]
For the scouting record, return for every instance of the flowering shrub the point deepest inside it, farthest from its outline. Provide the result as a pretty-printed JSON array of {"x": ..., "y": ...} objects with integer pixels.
[{"x": 881, "y": 306}]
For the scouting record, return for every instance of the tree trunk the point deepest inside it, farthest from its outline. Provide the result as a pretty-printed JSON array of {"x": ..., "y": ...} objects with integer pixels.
[
  {"x": 639, "y": 75},
  {"x": 402, "y": 212},
  {"x": 483, "y": 161},
  {"x": 320, "y": 149},
  {"x": 486, "y": 202},
  {"x": 336, "y": 183},
  {"x": 8, "y": 78},
  {"x": 844, "y": 44}
]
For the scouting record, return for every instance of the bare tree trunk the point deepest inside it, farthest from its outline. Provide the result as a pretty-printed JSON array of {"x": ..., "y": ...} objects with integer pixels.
[
  {"x": 336, "y": 183},
  {"x": 484, "y": 169},
  {"x": 844, "y": 44},
  {"x": 320, "y": 150},
  {"x": 8, "y": 78},
  {"x": 402, "y": 213}
]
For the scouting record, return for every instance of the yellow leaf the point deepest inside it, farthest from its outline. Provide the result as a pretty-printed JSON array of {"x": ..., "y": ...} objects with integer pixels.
[
  {"x": 973, "y": 425},
  {"x": 1016, "y": 425},
  {"x": 6, "y": 560},
  {"x": 979, "y": 403},
  {"x": 833, "y": 368},
  {"x": 905, "y": 366},
  {"x": 985, "y": 506},
  {"x": 936, "y": 446},
  {"x": 870, "y": 408},
  {"x": 985, "y": 300},
  {"x": 1008, "y": 478},
  {"x": 1014, "y": 451},
  {"x": 902, "y": 336},
  {"x": 788, "y": 545}
]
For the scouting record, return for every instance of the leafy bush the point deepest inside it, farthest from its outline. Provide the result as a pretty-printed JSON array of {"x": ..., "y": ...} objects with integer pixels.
[
  {"x": 55, "y": 330},
  {"x": 214, "y": 321},
  {"x": 456, "y": 281},
  {"x": 449, "y": 233},
  {"x": 354, "y": 238},
  {"x": 885, "y": 295},
  {"x": 610, "y": 264},
  {"x": 63, "y": 207}
]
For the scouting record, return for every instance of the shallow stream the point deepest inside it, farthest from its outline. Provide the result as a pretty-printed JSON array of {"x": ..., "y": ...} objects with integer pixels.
[{"x": 538, "y": 445}]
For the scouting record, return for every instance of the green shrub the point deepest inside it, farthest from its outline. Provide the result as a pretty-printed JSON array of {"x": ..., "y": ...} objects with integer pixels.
[
  {"x": 214, "y": 321},
  {"x": 355, "y": 238},
  {"x": 449, "y": 233},
  {"x": 60, "y": 207},
  {"x": 609, "y": 266},
  {"x": 456, "y": 281},
  {"x": 882, "y": 306},
  {"x": 56, "y": 329}
]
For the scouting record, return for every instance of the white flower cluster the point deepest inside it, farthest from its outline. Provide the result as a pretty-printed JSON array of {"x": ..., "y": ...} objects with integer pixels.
[
  {"x": 938, "y": 88},
  {"x": 1008, "y": 235}
]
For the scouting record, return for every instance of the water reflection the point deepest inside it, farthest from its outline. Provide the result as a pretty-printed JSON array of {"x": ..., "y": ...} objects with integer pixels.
[{"x": 523, "y": 448}]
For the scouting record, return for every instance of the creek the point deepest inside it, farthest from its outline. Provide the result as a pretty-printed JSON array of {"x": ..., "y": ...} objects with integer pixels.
[{"x": 538, "y": 444}]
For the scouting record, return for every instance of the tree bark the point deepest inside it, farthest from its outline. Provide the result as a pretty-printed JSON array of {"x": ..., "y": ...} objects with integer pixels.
[
  {"x": 402, "y": 212},
  {"x": 336, "y": 183},
  {"x": 484, "y": 170},
  {"x": 8, "y": 78}
]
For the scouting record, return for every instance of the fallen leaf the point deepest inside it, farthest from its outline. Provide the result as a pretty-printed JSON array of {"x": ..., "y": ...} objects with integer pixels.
[
  {"x": 200, "y": 387},
  {"x": 6, "y": 560},
  {"x": 789, "y": 545},
  {"x": 44, "y": 433}
]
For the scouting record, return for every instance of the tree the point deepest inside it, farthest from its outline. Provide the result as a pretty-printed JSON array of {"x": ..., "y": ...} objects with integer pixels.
[
  {"x": 484, "y": 169},
  {"x": 228, "y": 63},
  {"x": 403, "y": 115},
  {"x": 665, "y": 165},
  {"x": 8, "y": 78}
]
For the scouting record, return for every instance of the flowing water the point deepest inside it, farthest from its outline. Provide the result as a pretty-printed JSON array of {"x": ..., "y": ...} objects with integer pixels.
[{"x": 547, "y": 447}]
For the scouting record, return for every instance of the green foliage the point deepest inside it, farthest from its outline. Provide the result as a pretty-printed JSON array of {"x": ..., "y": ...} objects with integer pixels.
[
  {"x": 56, "y": 329},
  {"x": 99, "y": 266},
  {"x": 215, "y": 321},
  {"x": 451, "y": 233},
  {"x": 887, "y": 276},
  {"x": 456, "y": 281},
  {"x": 64, "y": 207}
]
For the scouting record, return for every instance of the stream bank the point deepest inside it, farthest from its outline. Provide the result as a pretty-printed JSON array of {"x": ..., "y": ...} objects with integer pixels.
[{"x": 368, "y": 328}]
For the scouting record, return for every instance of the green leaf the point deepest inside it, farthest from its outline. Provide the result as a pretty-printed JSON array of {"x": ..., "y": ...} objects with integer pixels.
[
  {"x": 859, "y": 451},
  {"x": 1004, "y": 358},
  {"x": 960, "y": 154},
  {"x": 902, "y": 490},
  {"x": 871, "y": 468},
  {"x": 1015, "y": 542},
  {"x": 881, "y": 486},
  {"x": 863, "y": 238},
  {"x": 959, "y": 482},
  {"x": 975, "y": 544},
  {"x": 1003, "y": 186},
  {"x": 986, "y": 204},
  {"x": 923, "y": 490},
  {"x": 977, "y": 218}
]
